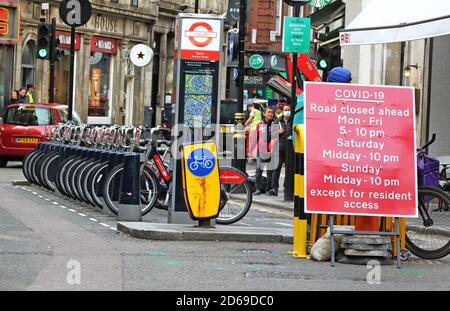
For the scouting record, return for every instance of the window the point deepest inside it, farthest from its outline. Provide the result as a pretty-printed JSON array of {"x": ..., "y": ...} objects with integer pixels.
[
  {"x": 28, "y": 63},
  {"x": 134, "y": 3},
  {"x": 99, "y": 98},
  {"x": 27, "y": 116}
]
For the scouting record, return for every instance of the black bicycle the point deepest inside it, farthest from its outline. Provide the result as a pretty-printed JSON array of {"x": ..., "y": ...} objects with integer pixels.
[{"x": 428, "y": 236}]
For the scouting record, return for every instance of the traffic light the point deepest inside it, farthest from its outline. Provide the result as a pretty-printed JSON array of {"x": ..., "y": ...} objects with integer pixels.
[
  {"x": 57, "y": 51},
  {"x": 44, "y": 40},
  {"x": 324, "y": 58},
  {"x": 335, "y": 57}
]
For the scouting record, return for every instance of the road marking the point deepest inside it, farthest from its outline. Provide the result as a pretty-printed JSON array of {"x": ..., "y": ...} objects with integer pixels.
[
  {"x": 34, "y": 192},
  {"x": 62, "y": 206},
  {"x": 56, "y": 203},
  {"x": 47, "y": 199},
  {"x": 283, "y": 224},
  {"x": 40, "y": 196},
  {"x": 93, "y": 219},
  {"x": 104, "y": 225},
  {"x": 112, "y": 228},
  {"x": 72, "y": 210},
  {"x": 82, "y": 215}
]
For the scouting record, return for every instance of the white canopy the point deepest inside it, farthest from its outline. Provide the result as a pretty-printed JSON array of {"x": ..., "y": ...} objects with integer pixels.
[{"x": 383, "y": 21}]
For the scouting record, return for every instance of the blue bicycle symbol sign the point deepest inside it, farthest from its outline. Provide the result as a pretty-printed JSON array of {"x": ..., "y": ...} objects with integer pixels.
[{"x": 201, "y": 162}]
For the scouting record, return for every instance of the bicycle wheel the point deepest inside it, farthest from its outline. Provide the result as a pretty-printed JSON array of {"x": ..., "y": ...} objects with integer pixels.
[
  {"x": 112, "y": 187},
  {"x": 428, "y": 236},
  {"x": 236, "y": 197}
]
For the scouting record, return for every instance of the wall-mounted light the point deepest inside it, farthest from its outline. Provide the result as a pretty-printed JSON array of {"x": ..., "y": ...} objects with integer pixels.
[{"x": 407, "y": 70}]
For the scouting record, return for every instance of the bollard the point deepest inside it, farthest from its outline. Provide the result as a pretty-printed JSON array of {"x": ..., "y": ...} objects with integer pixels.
[
  {"x": 289, "y": 172},
  {"x": 300, "y": 220},
  {"x": 239, "y": 155},
  {"x": 129, "y": 200}
]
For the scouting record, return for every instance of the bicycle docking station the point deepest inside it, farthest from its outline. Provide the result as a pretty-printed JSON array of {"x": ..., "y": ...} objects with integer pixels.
[
  {"x": 74, "y": 160},
  {"x": 129, "y": 200},
  {"x": 201, "y": 182}
]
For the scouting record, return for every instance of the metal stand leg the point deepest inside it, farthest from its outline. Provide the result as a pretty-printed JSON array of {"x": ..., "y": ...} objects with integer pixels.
[
  {"x": 397, "y": 222},
  {"x": 332, "y": 240}
]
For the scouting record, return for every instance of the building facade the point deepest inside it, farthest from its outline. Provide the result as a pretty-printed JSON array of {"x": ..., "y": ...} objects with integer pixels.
[{"x": 428, "y": 61}]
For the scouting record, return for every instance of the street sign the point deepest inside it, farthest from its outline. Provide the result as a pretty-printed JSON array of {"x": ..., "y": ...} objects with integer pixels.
[
  {"x": 141, "y": 55},
  {"x": 360, "y": 155},
  {"x": 75, "y": 13},
  {"x": 256, "y": 61},
  {"x": 296, "y": 35},
  {"x": 200, "y": 39},
  {"x": 233, "y": 11}
]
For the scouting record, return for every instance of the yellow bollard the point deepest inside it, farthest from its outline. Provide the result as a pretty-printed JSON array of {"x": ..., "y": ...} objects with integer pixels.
[{"x": 300, "y": 221}]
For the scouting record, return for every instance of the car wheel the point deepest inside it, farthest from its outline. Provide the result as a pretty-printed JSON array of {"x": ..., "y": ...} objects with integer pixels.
[{"x": 3, "y": 162}]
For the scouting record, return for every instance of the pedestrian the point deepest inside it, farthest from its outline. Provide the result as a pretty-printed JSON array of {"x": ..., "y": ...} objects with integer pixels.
[
  {"x": 30, "y": 90},
  {"x": 263, "y": 153},
  {"x": 23, "y": 98},
  {"x": 14, "y": 97},
  {"x": 279, "y": 112},
  {"x": 285, "y": 127},
  {"x": 252, "y": 122}
]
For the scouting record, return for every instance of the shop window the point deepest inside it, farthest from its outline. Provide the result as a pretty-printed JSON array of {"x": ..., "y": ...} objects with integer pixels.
[
  {"x": 99, "y": 99},
  {"x": 28, "y": 63},
  {"x": 134, "y": 3}
]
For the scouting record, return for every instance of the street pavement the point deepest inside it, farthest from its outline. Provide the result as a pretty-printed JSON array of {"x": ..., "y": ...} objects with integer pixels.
[{"x": 50, "y": 243}]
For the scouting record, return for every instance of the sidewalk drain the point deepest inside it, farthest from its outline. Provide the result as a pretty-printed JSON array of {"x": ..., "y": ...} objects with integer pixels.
[{"x": 255, "y": 251}]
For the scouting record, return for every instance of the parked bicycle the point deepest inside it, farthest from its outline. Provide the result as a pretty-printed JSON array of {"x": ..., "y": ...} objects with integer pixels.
[
  {"x": 156, "y": 176},
  {"x": 428, "y": 236}
]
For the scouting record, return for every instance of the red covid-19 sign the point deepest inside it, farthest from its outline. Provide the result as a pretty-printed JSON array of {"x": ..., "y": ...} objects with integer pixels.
[{"x": 360, "y": 150}]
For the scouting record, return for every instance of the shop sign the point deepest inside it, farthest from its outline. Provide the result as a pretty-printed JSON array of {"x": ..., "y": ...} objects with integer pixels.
[
  {"x": 256, "y": 61},
  {"x": 9, "y": 22},
  {"x": 104, "y": 45},
  {"x": 64, "y": 40},
  {"x": 365, "y": 163}
]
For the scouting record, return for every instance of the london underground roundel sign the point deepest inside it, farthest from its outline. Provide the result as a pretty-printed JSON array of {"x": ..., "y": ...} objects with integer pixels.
[{"x": 200, "y": 39}]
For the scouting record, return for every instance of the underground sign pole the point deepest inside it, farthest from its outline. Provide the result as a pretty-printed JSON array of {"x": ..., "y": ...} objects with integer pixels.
[
  {"x": 290, "y": 164},
  {"x": 74, "y": 13}
]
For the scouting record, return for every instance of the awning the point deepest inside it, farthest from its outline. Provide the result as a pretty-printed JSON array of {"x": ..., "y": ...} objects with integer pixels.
[{"x": 383, "y": 21}]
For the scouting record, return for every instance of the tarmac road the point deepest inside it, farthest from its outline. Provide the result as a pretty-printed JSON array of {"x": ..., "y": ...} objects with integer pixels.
[{"x": 49, "y": 243}]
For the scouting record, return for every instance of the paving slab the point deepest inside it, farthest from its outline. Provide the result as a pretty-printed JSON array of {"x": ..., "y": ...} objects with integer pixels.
[{"x": 180, "y": 232}]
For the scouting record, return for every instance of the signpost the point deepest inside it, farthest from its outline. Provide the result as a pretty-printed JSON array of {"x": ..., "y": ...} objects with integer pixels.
[
  {"x": 296, "y": 35},
  {"x": 74, "y": 13},
  {"x": 360, "y": 150},
  {"x": 198, "y": 46}
]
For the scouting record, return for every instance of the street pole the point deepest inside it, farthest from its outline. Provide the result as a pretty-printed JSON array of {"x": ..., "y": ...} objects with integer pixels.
[
  {"x": 51, "y": 97},
  {"x": 196, "y": 6},
  {"x": 239, "y": 156},
  {"x": 71, "y": 71},
  {"x": 289, "y": 154}
]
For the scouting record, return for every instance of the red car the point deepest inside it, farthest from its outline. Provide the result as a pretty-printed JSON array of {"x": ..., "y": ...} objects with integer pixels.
[{"x": 23, "y": 126}]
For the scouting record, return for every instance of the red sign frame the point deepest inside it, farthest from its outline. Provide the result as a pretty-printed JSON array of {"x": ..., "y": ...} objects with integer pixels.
[
  {"x": 65, "y": 44},
  {"x": 104, "y": 45},
  {"x": 360, "y": 152}
]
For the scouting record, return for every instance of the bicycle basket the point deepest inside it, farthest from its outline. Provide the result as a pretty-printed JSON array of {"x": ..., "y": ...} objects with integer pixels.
[{"x": 427, "y": 170}]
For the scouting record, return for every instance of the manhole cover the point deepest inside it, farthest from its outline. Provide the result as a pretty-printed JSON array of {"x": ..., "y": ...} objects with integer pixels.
[{"x": 255, "y": 251}]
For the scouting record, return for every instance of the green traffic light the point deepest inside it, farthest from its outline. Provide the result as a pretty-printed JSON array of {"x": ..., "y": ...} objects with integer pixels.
[
  {"x": 42, "y": 53},
  {"x": 323, "y": 64}
]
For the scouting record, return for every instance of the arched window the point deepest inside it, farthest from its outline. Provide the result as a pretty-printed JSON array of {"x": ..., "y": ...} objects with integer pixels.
[{"x": 28, "y": 63}]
